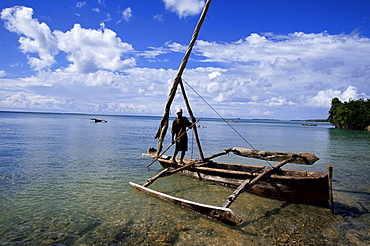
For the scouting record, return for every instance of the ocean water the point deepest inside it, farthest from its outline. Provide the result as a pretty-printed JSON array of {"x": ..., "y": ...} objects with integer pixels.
[{"x": 64, "y": 181}]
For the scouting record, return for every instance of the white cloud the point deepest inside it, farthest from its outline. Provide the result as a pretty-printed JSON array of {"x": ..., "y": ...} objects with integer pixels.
[
  {"x": 90, "y": 50},
  {"x": 214, "y": 74},
  {"x": 184, "y": 8},
  {"x": 139, "y": 90},
  {"x": 214, "y": 87},
  {"x": 129, "y": 108},
  {"x": 286, "y": 64},
  {"x": 154, "y": 52},
  {"x": 80, "y": 4},
  {"x": 311, "y": 47},
  {"x": 323, "y": 98},
  {"x": 102, "y": 2},
  {"x": 35, "y": 102},
  {"x": 35, "y": 37},
  {"x": 278, "y": 76},
  {"x": 224, "y": 96},
  {"x": 297, "y": 66},
  {"x": 158, "y": 17},
  {"x": 31, "y": 101},
  {"x": 350, "y": 93},
  {"x": 127, "y": 14},
  {"x": 278, "y": 102},
  {"x": 176, "y": 47},
  {"x": 109, "y": 18}
]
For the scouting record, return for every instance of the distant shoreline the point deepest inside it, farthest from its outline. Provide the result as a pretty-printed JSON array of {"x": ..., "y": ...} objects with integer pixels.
[
  {"x": 102, "y": 114},
  {"x": 318, "y": 120}
]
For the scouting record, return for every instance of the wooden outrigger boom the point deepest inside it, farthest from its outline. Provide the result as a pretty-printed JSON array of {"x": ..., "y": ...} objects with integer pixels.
[
  {"x": 299, "y": 158},
  {"x": 224, "y": 215}
]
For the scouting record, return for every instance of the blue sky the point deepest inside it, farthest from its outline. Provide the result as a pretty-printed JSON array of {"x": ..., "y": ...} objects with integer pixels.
[{"x": 253, "y": 58}]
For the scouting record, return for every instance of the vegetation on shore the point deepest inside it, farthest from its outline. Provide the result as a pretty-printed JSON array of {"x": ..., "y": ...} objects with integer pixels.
[{"x": 354, "y": 114}]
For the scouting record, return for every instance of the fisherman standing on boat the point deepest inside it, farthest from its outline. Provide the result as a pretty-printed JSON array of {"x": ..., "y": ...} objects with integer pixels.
[{"x": 179, "y": 126}]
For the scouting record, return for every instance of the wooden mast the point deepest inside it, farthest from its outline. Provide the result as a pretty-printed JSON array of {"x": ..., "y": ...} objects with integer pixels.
[
  {"x": 193, "y": 120},
  {"x": 162, "y": 130}
]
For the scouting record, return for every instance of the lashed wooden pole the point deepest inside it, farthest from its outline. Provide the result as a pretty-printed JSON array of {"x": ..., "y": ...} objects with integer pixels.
[{"x": 193, "y": 119}]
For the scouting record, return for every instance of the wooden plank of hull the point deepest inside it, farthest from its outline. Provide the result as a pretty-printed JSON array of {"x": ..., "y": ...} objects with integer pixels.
[
  {"x": 297, "y": 186},
  {"x": 224, "y": 215}
]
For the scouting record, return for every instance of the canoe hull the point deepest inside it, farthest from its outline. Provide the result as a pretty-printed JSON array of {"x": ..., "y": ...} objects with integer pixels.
[
  {"x": 310, "y": 191},
  {"x": 288, "y": 185}
]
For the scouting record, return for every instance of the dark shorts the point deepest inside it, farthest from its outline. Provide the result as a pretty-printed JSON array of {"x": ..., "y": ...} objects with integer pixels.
[{"x": 182, "y": 145}]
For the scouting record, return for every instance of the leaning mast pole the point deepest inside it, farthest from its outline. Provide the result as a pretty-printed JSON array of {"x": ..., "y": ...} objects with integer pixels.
[{"x": 162, "y": 130}]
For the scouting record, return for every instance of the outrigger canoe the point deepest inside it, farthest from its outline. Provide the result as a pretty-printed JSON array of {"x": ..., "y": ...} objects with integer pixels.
[
  {"x": 294, "y": 186},
  {"x": 284, "y": 184},
  {"x": 289, "y": 185}
]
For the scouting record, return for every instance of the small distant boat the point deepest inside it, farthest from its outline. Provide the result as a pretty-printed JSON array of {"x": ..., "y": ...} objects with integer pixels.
[
  {"x": 305, "y": 124},
  {"x": 98, "y": 120},
  {"x": 232, "y": 121}
]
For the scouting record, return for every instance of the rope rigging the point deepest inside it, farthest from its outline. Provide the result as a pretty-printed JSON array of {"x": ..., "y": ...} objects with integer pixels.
[{"x": 245, "y": 140}]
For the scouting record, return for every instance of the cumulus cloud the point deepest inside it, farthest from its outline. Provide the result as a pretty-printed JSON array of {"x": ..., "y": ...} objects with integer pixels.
[
  {"x": 255, "y": 76},
  {"x": 305, "y": 68},
  {"x": 88, "y": 50},
  {"x": 323, "y": 98},
  {"x": 291, "y": 47},
  {"x": 184, "y": 8},
  {"x": 176, "y": 47},
  {"x": 35, "y": 37}
]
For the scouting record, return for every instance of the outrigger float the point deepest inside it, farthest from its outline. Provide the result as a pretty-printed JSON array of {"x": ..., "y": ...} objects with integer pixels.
[{"x": 284, "y": 184}]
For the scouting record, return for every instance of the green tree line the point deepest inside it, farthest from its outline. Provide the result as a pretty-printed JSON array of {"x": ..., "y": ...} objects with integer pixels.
[{"x": 354, "y": 114}]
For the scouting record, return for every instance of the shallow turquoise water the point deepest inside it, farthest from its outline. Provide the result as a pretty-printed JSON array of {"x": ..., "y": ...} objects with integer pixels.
[{"x": 64, "y": 180}]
